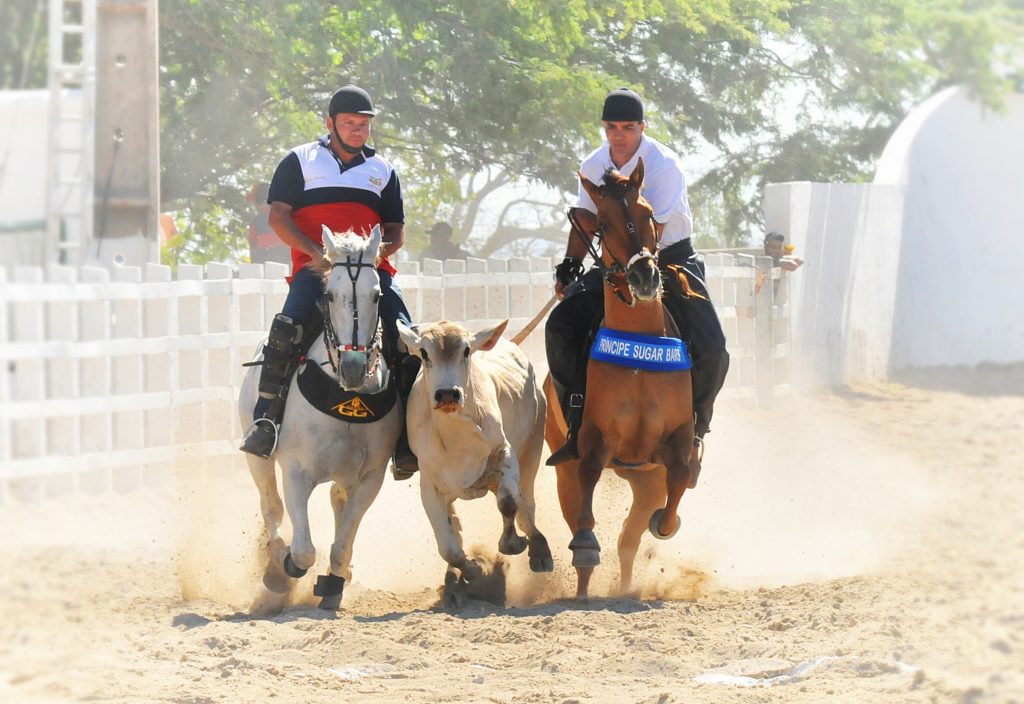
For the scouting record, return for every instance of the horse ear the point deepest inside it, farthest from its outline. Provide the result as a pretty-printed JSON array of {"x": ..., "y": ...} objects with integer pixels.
[
  {"x": 409, "y": 337},
  {"x": 636, "y": 179},
  {"x": 590, "y": 188},
  {"x": 487, "y": 339},
  {"x": 375, "y": 237},
  {"x": 329, "y": 248}
]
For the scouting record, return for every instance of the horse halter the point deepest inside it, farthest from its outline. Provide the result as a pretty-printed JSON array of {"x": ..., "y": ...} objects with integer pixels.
[
  {"x": 616, "y": 267},
  {"x": 353, "y": 269}
]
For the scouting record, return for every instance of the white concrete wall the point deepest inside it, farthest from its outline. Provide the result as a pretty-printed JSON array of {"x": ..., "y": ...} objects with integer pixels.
[
  {"x": 842, "y": 298},
  {"x": 24, "y": 134},
  {"x": 958, "y": 296}
]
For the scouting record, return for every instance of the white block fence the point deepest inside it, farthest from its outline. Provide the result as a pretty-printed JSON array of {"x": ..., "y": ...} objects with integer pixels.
[{"x": 110, "y": 377}]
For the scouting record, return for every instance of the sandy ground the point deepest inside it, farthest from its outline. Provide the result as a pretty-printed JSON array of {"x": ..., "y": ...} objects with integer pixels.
[{"x": 864, "y": 545}]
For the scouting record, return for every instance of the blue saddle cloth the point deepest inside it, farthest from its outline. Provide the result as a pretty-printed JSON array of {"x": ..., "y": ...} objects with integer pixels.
[{"x": 648, "y": 352}]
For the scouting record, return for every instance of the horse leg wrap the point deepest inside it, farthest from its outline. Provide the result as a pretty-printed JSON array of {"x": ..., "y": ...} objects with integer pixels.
[
  {"x": 328, "y": 585},
  {"x": 280, "y": 357}
]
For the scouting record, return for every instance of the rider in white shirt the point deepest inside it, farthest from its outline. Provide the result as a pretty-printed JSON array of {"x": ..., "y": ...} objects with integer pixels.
[{"x": 568, "y": 328}]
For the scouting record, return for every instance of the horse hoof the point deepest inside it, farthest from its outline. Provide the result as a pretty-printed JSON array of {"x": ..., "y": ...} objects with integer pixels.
[
  {"x": 330, "y": 603},
  {"x": 330, "y": 588},
  {"x": 513, "y": 546},
  {"x": 291, "y": 569},
  {"x": 586, "y": 557},
  {"x": 653, "y": 525},
  {"x": 275, "y": 580},
  {"x": 542, "y": 563}
]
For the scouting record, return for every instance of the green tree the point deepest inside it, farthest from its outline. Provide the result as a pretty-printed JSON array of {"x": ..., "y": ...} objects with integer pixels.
[
  {"x": 23, "y": 44},
  {"x": 479, "y": 95}
]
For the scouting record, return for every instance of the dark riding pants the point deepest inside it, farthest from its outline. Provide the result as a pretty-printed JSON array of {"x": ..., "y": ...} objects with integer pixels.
[{"x": 570, "y": 323}]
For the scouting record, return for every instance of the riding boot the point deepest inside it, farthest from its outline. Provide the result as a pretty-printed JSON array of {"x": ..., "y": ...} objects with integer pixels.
[
  {"x": 695, "y": 459},
  {"x": 280, "y": 359},
  {"x": 573, "y": 405},
  {"x": 404, "y": 463}
]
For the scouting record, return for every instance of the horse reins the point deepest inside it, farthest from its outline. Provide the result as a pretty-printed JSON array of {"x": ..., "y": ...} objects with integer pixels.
[
  {"x": 331, "y": 337},
  {"x": 616, "y": 267}
]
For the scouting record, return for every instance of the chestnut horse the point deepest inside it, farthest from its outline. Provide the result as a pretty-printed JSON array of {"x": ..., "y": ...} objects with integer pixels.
[{"x": 636, "y": 420}]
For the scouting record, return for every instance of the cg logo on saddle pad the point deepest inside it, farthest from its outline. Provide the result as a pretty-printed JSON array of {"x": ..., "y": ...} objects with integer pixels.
[
  {"x": 648, "y": 352},
  {"x": 353, "y": 409},
  {"x": 324, "y": 394}
]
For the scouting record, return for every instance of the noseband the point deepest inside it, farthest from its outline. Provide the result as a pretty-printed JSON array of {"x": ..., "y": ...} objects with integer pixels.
[
  {"x": 616, "y": 267},
  {"x": 353, "y": 269}
]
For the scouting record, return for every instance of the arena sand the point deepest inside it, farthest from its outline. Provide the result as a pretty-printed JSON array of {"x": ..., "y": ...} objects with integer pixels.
[{"x": 863, "y": 545}]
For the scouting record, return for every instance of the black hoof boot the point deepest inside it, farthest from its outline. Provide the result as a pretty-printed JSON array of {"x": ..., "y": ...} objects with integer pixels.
[
  {"x": 329, "y": 588},
  {"x": 261, "y": 438}
]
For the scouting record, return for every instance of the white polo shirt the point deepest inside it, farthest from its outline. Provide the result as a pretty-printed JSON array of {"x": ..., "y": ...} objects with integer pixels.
[{"x": 664, "y": 185}]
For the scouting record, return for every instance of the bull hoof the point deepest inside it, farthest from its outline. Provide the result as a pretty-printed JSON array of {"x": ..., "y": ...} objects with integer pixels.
[
  {"x": 513, "y": 545},
  {"x": 653, "y": 525},
  {"x": 586, "y": 551},
  {"x": 291, "y": 569},
  {"x": 453, "y": 595},
  {"x": 540, "y": 554}
]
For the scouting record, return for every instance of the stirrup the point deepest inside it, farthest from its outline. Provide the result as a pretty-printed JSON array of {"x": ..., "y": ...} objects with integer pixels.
[{"x": 255, "y": 439}]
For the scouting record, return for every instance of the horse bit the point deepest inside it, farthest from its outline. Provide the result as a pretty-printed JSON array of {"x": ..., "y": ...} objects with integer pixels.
[{"x": 331, "y": 337}]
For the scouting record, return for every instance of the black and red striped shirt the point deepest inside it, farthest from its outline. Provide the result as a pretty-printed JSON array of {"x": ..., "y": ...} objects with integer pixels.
[{"x": 323, "y": 190}]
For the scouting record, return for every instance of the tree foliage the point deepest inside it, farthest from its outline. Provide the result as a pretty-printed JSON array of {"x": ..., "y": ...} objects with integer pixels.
[
  {"x": 23, "y": 44},
  {"x": 478, "y": 95}
]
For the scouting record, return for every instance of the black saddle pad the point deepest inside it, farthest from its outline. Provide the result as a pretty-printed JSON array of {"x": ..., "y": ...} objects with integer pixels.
[{"x": 323, "y": 393}]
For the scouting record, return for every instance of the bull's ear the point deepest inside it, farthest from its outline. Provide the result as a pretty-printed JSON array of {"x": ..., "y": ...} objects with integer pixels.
[
  {"x": 487, "y": 339},
  {"x": 409, "y": 337}
]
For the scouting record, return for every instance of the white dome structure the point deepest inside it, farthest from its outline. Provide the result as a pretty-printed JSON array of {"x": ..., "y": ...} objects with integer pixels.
[{"x": 960, "y": 282}]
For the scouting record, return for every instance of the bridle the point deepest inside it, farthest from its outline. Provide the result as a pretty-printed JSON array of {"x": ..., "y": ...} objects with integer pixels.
[
  {"x": 608, "y": 270},
  {"x": 353, "y": 269}
]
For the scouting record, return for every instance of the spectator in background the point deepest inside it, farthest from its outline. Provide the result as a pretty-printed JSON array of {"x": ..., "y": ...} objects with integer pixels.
[
  {"x": 441, "y": 245},
  {"x": 781, "y": 253},
  {"x": 264, "y": 244}
]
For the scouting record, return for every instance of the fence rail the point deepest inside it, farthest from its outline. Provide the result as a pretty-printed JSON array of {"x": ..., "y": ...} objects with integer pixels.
[{"x": 108, "y": 374}]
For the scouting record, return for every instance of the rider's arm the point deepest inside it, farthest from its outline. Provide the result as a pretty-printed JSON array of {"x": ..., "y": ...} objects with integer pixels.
[
  {"x": 284, "y": 226},
  {"x": 394, "y": 238},
  {"x": 575, "y": 249}
]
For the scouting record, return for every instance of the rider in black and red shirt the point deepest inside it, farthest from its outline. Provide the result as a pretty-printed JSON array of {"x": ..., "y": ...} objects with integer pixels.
[{"x": 340, "y": 182}]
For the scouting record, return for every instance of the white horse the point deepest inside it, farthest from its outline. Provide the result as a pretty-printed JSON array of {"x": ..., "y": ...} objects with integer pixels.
[{"x": 314, "y": 447}]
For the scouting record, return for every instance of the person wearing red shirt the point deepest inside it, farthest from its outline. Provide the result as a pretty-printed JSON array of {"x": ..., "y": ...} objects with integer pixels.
[{"x": 337, "y": 181}]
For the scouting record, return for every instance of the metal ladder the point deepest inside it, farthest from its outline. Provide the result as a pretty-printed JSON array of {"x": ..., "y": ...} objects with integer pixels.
[{"x": 72, "y": 109}]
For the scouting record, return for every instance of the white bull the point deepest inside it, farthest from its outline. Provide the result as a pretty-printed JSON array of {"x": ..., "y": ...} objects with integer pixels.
[{"x": 476, "y": 423}]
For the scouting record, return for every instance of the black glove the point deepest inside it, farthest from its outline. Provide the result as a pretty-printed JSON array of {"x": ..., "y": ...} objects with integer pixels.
[{"x": 568, "y": 271}]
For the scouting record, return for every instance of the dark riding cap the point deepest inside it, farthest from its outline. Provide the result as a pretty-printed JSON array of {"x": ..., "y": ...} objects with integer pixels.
[
  {"x": 351, "y": 98},
  {"x": 623, "y": 105}
]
